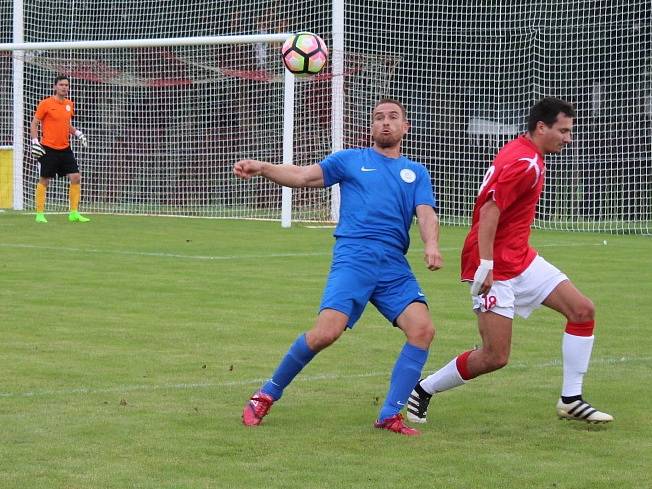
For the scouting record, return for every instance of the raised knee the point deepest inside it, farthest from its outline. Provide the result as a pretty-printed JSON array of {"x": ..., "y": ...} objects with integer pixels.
[
  {"x": 498, "y": 361},
  {"x": 583, "y": 312},
  {"x": 423, "y": 335},
  {"x": 318, "y": 340},
  {"x": 430, "y": 336}
]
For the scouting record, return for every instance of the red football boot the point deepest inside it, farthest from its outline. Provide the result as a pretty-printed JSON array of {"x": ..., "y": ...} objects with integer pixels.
[
  {"x": 256, "y": 409},
  {"x": 395, "y": 423}
]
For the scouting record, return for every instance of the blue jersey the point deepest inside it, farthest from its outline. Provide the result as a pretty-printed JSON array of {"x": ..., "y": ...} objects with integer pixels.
[{"x": 379, "y": 195}]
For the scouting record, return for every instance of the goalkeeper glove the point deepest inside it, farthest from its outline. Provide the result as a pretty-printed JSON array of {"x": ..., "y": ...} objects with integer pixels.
[
  {"x": 481, "y": 273},
  {"x": 81, "y": 138},
  {"x": 37, "y": 149}
]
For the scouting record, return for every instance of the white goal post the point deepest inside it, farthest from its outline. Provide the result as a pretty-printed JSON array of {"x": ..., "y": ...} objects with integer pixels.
[{"x": 21, "y": 52}]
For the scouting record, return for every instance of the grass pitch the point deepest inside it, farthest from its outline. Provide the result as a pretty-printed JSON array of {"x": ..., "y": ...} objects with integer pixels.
[{"x": 129, "y": 346}]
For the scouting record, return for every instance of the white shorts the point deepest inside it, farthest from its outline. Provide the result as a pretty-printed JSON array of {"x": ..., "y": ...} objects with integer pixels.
[{"x": 523, "y": 293}]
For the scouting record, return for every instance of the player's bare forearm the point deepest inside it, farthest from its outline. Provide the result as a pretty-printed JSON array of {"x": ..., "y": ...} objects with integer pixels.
[
  {"x": 33, "y": 128},
  {"x": 286, "y": 175},
  {"x": 489, "y": 217},
  {"x": 483, "y": 278},
  {"x": 429, "y": 229},
  {"x": 294, "y": 176}
]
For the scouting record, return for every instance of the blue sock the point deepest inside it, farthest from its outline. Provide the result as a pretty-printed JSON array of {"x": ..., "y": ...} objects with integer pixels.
[
  {"x": 405, "y": 375},
  {"x": 293, "y": 362}
]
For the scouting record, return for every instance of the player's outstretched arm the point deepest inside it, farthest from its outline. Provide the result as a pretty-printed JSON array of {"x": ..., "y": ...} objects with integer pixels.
[
  {"x": 286, "y": 175},
  {"x": 429, "y": 230}
]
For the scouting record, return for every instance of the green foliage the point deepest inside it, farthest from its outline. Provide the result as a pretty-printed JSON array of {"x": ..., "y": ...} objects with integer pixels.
[{"x": 129, "y": 346}]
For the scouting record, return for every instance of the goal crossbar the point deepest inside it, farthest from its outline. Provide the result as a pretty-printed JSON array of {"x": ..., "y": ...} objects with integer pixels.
[{"x": 144, "y": 43}]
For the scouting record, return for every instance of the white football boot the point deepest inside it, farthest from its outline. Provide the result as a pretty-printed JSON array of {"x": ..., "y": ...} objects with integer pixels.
[
  {"x": 581, "y": 410},
  {"x": 417, "y": 407}
]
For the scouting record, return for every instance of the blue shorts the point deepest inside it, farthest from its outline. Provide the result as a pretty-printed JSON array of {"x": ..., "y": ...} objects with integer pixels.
[{"x": 365, "y": 271}]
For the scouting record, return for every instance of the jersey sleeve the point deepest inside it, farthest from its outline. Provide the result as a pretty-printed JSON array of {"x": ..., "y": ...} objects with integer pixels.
[
  {"x": 425, "y": 194},
  {"x": 515, "y": 180},
  {"x": 333, "y": 168},
  {"x": 41, "y": 109}
]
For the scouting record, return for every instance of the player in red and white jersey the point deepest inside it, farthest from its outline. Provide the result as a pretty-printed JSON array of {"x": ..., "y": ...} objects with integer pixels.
[
  {"x": 513, "y": 184},
  {"x": 507, "y": 275}
]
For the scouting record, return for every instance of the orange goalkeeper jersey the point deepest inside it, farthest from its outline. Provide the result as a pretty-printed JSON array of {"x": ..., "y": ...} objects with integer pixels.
[{"x": 55, "y": 116}]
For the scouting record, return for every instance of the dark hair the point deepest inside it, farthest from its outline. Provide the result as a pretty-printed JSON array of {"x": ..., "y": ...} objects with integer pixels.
[
  {"x": 392, "y": 101},
  {"x": 58, "y": 78},
  {"x": 546, "y": 110}
]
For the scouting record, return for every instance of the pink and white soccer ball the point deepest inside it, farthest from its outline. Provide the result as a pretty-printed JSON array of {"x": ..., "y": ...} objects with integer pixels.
[{"x": 304, "y": 54}]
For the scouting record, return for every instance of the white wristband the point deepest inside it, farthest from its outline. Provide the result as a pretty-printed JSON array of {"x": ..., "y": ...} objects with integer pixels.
[
  {"x": 487, "y": 264},
  {"x": 78, "y": 133},
  {"x": 35, "y": 141},
  {"x": 485, "y": 267}
]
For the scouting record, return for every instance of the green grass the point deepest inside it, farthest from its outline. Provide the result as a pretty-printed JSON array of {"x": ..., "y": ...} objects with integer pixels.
[{"x": 129, "y": 345}]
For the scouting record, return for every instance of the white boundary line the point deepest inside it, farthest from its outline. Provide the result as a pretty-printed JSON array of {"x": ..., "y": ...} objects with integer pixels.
[
  {"x": 305, "y": 378},
  {"x": 236, "y": 257},
  {"x": 161, "y": 255}
]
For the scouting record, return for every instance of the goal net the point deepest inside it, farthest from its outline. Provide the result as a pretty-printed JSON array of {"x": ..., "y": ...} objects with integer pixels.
[
  {"x": 165, "y": 125},
  {"x": 470, "y": 71}
]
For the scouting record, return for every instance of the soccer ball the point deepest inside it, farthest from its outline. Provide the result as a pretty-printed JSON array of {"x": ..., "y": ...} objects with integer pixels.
[{"x": 304, "y": 54}]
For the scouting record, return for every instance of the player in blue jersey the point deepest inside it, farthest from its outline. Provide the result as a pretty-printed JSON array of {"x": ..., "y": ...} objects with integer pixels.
[{"x": 381, "y": 192}]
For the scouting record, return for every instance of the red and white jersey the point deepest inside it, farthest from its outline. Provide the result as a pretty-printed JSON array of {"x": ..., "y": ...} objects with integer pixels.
[{"x": 514, "y": 181}]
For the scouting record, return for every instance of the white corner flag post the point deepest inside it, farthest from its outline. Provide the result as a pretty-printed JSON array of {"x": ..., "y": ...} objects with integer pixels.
[
  {"x": 288, "y": 146},
  {"x": 337, "y": 111}
]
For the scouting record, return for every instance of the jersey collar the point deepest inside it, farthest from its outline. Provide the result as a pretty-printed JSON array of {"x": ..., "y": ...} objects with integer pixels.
[{"x": 531, "y": 144}]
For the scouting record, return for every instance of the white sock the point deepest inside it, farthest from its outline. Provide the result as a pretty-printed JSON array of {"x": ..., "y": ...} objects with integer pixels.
[
  {"x": 576, "y": 353},
  {"x": 443, "y": 379}
]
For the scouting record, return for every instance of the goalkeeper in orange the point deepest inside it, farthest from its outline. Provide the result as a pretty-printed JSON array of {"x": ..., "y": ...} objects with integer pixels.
[{"x": 53, "y": 115}]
